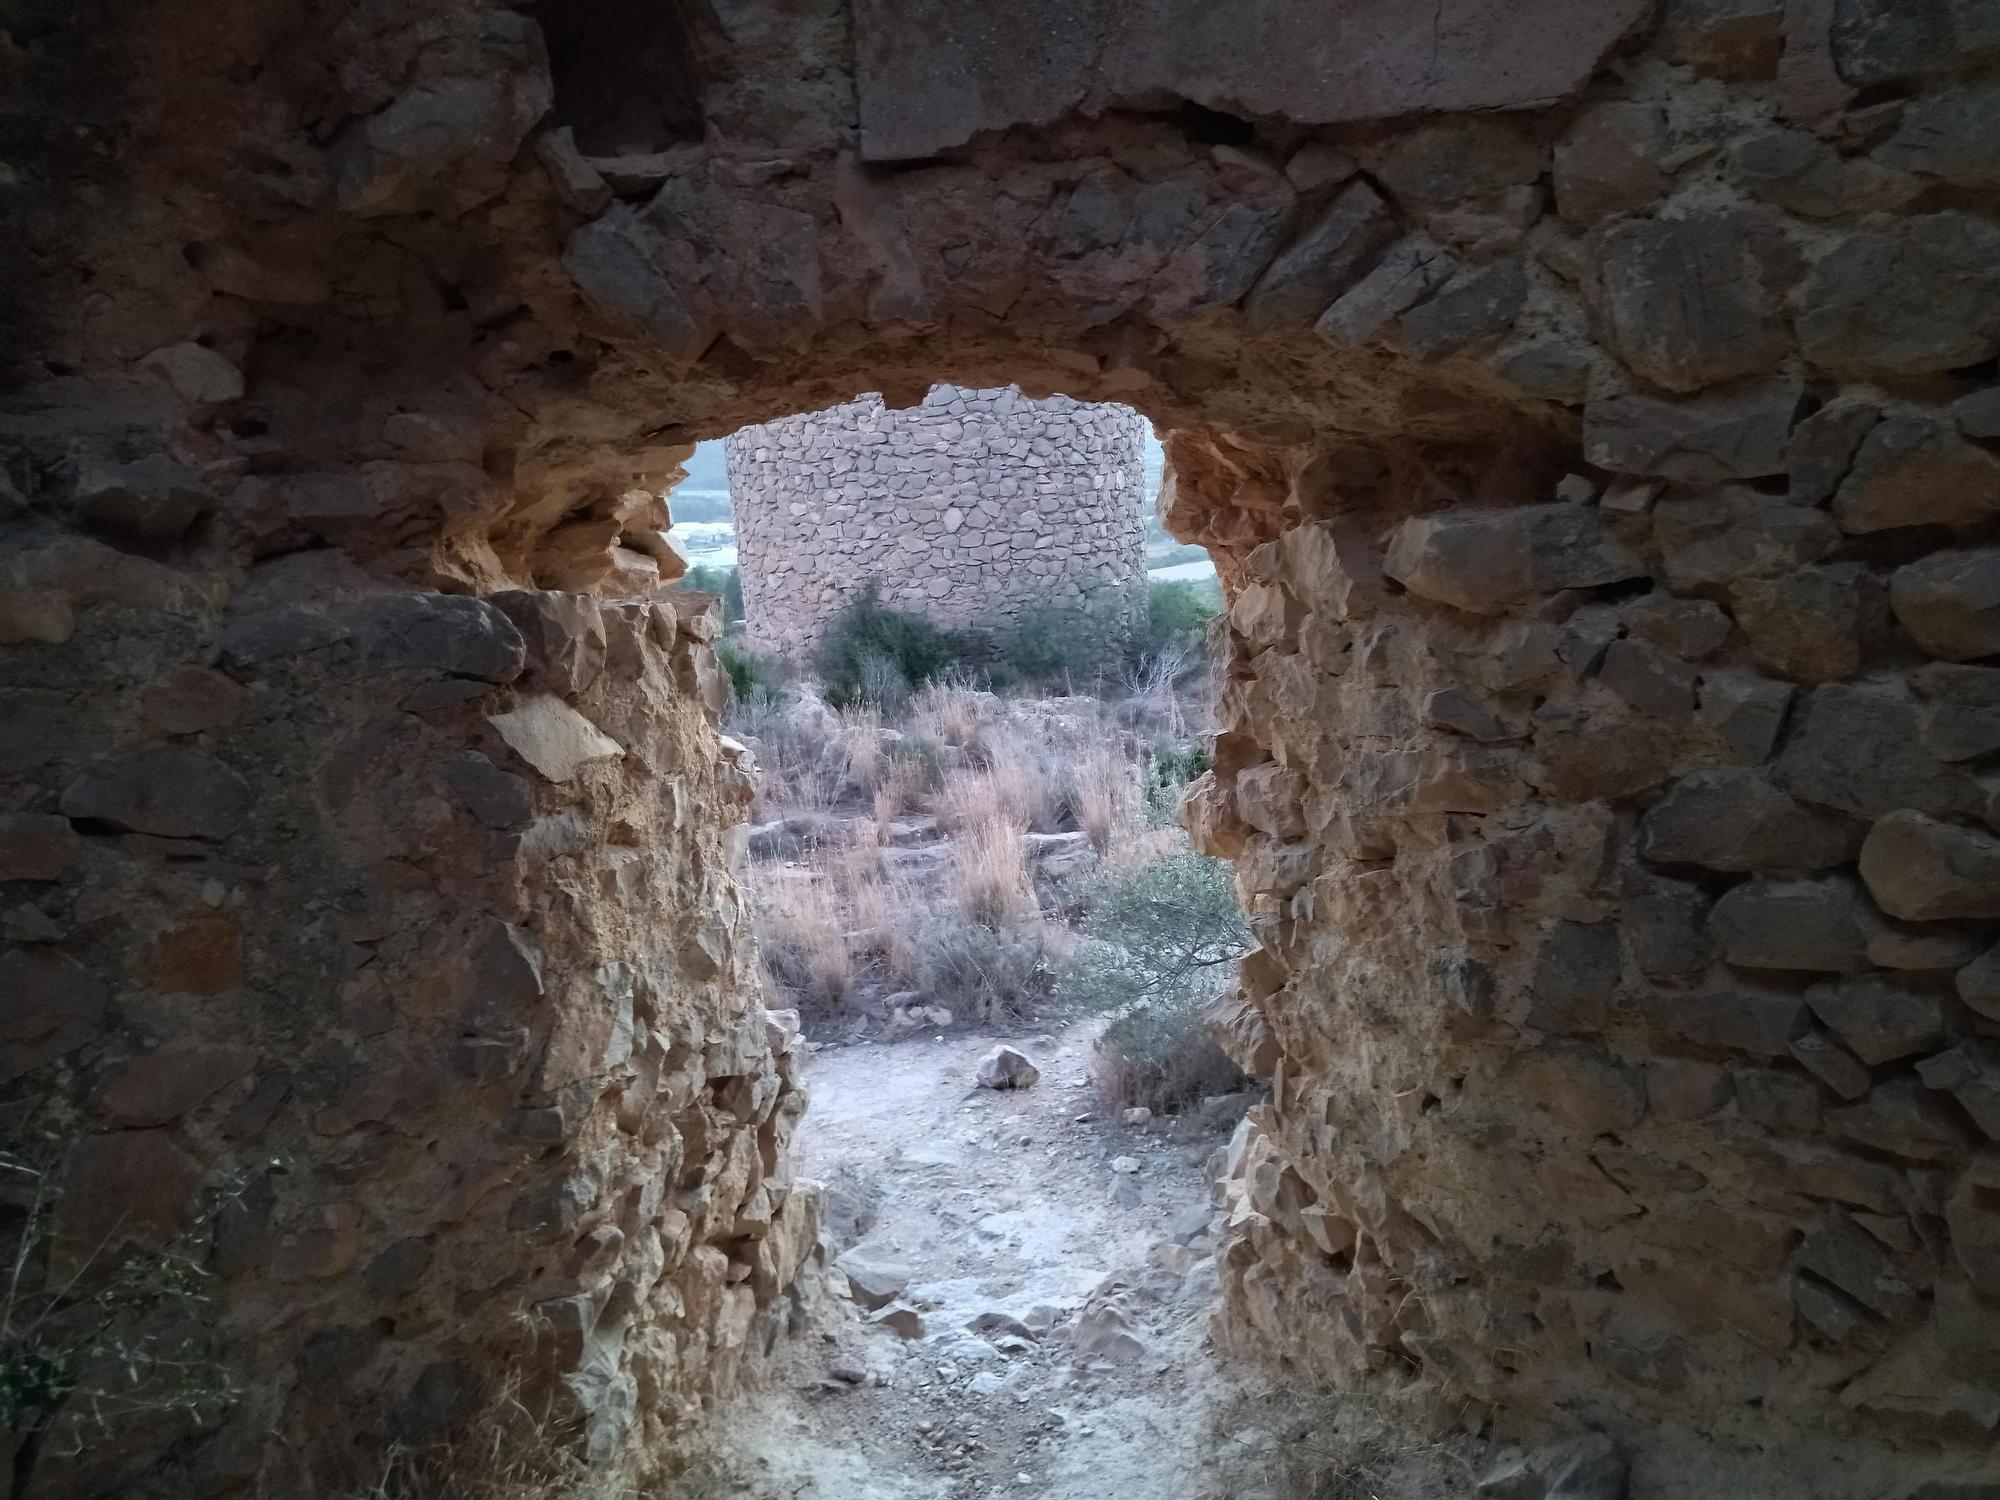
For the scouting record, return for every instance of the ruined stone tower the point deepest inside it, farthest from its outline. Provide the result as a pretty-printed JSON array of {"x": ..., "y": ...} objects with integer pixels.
[{"x": 964, "y": 509}]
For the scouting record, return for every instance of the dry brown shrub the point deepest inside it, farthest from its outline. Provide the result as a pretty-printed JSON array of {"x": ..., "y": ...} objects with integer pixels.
[
  {"x": 904, "y": 781},
  {"x": 516, "y": 1448},
  {"x": 861, "y": 737},
  {"x": 802, "y": 940},
  {"x": 948, "y": 713},
  {"x": 1167, "y": 1062},
  {"x": 1104, "y": 795},
  {"x": 991, "y": 874},
  {"x": 1015, "y": 785},
  {"x": 984, "y": 974}
]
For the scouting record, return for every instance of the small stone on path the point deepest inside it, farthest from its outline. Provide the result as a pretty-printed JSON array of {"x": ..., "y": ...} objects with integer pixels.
[
  {"x": 1007, "y": 1068},
  {"x": 901, "y": 1320}
]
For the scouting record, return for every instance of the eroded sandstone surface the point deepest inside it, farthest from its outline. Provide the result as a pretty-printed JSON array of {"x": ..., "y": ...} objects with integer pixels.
[{"x": 1590, "y": 408}]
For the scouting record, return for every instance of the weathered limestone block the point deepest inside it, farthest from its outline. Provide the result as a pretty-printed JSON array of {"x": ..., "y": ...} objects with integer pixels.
[
  {"x": 1725, "y": 38},
  {"x": 1862, "y": 313},
  {"x": 620, "y": 263},
  {"x": 1613, "y": 159},
  {"x": 1860, "y": 750},
  {"x": 1924, "y": 870},
  {"x": 971, "y": 78},
  {"x": 1486, "y": 562},
  {"x": 1960, "y": 710},
  {"x": 1913, "y": 469},
  {"x": 1409, "y": 272},
  {"x": 1333, "y": 253},
  {"x": 1879, "y": 1022},
  {"x": 1950, "y": 603},
  {"x": 1818, "y": 925},
  {"x": 1475, "y": 307},
  {"x": 1739, "y": 433},
  {"x": 1725, "y": 536},
  {"x": 553, "y": 737},
  {"x": 1811, "y": 624},
  {"x": 1684, "y": 300},
  {"x": 1737, "y": 821},
  {"x": 172, "y": 792}
]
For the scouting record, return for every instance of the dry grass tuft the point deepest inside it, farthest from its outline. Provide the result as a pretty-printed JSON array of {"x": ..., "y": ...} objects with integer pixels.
[
  {"x": 1104, "y": 795},
  {"x": 514, "y": 1449},
  {"x": 861, "y": 738},
  {"x": 802, "y": 939},
  {"x": 991, "y": 874},
  {"x": 948, "y": 713},
  {"x": 905, "y": 781},
  {"x": 1014, "y": 785}
]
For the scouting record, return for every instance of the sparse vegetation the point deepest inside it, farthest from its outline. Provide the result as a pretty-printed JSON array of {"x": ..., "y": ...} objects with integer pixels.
[
  {"x": 872, "y": 653},
  {"x": 939, "y": 839},
  {"x": 1176, "y": 618},
  {"x": 1169, "y": 766},
  {"x": 752, "y": 678},
  {"x": 986, "y": 973},
  {"x": 116, "y": 1338},
  {"x": 1065, "y": 643},
  {"x": 1161, "y": 941},
  {"x": 516, "y": 1448},
  {"x": 940, "y": 891}
]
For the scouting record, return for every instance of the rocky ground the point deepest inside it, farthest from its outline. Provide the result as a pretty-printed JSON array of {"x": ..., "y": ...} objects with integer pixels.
[
  {"x": 1015, "y": 1301},
  {"x": 1046, "y": 1279}
]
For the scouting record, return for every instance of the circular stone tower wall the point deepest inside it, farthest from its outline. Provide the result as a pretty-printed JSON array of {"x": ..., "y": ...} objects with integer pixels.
[{"x": 964, "y": 509}]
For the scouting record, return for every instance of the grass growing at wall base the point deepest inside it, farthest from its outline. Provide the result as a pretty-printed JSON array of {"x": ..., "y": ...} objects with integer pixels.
[
  {"x": 123, "y": 1339},
  {"x": 875, "y": 653}
]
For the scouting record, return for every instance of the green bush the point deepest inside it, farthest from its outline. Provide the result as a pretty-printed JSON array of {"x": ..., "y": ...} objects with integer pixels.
[
  {"x": 725, "y": 583},
  {"x": 1168, "y": 768},
  {"x": 1161, "y": 943},
  {"x": 1060, "y": 642},
  {"x": 1162, "y": 1056},
  {"x": 1167, "y": 553},
  {"x": 1054, "y": 640},
  {"x": 755, "y": 679},
  {"x": 1177, "y": 615},
  {"x": 872, "y": 653},
  {"x": 702, "y": 505}
]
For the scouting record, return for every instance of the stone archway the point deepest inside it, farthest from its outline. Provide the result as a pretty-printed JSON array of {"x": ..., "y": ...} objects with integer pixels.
[{"x": 1588, "y": 411}]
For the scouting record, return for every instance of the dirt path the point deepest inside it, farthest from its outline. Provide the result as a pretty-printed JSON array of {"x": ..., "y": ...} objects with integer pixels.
[{"x": 1079, "y": 1245}]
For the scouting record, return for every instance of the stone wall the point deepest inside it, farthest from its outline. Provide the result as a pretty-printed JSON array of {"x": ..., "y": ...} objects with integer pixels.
[
  {"x": 384, "y": 951},
  {"x": 1654, "y": 822},
  {"x": 963, "y": 509},
  {"x": 1596, "y": 441}
]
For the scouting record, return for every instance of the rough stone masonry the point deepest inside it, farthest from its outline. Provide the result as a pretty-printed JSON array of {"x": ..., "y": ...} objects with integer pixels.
[
  {"x": 966, "y": 509},
  {"x": 1592, "y": 408}
]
